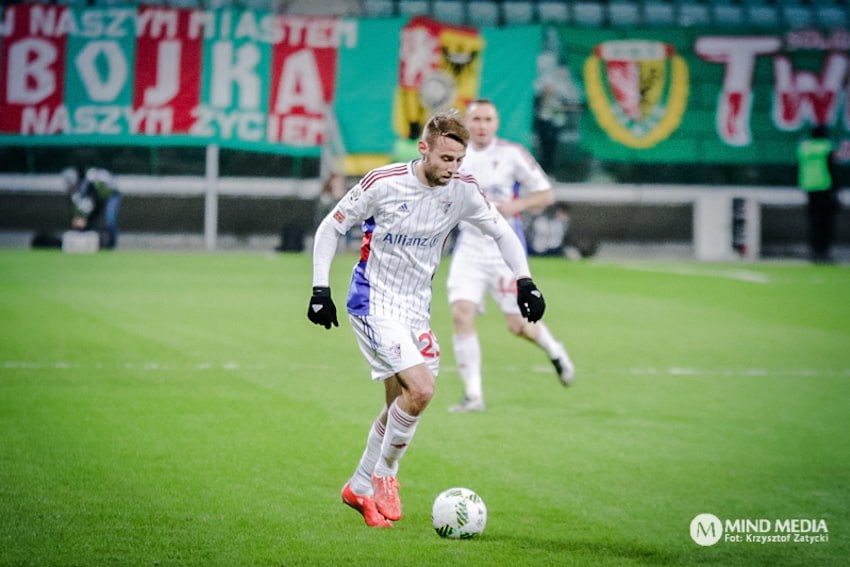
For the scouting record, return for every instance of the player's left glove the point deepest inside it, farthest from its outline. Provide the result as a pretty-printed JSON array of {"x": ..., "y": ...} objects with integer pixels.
[
  {"x": 530, "y": 300},
  {"x": 322, "y": 310}
]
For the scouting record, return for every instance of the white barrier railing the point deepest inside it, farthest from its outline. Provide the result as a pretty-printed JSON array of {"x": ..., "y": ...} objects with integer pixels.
[
  {"x": 712, "y": 205},
  {"x": 179, "y": 185}
]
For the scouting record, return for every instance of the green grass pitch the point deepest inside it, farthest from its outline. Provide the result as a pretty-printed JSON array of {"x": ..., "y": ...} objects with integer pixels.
[{"x": 179, "y": 409}]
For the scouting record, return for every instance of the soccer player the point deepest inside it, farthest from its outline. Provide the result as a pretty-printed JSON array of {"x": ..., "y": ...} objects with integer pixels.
[
  {"x": 407, "y": 211},
  {"x": 477, "y": 267}
]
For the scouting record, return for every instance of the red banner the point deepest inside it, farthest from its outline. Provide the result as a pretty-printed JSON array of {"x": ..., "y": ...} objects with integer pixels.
[
  {"x": 303, "y": 77},
  {"x": 32, "y": 63},
  {"x": 168, "y": 67}
]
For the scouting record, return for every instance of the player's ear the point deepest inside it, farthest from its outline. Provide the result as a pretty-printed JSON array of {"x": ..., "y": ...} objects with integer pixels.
[{"x": 423, "y": 148}]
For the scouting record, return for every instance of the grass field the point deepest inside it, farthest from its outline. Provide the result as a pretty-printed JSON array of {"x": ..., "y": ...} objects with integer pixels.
[{"x": 179, "y": 409}]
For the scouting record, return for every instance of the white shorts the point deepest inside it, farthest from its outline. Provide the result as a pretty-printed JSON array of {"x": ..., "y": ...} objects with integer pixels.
[
  {"x": 470, "y": 280},
  {"x": 391, "y": 346}
]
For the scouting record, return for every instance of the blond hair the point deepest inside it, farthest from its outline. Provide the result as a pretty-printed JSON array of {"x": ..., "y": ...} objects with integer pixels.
[{"x": 446, "y": 124}]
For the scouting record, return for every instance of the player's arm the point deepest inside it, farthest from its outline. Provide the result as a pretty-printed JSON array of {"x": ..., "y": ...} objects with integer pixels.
[
  {"x": 350, "y": 209},
  {"x": 533, "y": 181},
  {"x": 530, "y": 300},
  {"x": 321, "y": 309},
  {"x": 536, "y": 200}
]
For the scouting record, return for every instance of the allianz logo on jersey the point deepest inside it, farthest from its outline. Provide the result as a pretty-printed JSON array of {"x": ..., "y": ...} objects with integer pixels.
[{"x": 405, "y": 240}]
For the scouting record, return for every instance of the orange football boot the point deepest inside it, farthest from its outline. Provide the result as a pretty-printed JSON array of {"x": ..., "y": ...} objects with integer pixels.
[
  {"x": 386, "y": 496},
  {"x": 366, "y": 506}
]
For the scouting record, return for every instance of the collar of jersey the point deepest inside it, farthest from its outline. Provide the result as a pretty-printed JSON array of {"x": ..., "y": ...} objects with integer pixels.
[{"x": 412, "y": 171}]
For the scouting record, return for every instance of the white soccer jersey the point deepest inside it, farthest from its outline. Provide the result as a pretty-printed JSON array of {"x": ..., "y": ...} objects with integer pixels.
[
  {"x": 502, "y": 170},
  {"x": 405, "y": 225}
]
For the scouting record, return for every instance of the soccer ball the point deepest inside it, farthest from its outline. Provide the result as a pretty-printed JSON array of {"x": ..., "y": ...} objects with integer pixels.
[{"x": 459, "y": 513}]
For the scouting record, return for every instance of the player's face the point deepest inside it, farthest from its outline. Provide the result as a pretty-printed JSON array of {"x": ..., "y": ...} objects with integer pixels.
[
  {"x": 482, "y": 121},
  {"x": 441, "y": 159}
]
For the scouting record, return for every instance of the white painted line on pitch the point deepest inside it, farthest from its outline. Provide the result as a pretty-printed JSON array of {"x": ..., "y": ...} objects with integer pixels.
[
  {"x": 156, "y": 366},
  {"x": 232, "y": 366},
  {"x": 688, "y": 371},
  {"x": 134, "y": 365},
  {"x": 740, "y": 275}
]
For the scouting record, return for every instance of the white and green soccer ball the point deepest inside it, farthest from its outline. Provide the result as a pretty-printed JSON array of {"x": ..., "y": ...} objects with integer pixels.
[{"x": 459, "y": 513}]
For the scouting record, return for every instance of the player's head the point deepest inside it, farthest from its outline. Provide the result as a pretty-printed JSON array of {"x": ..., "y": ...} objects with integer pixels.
[
  {"x": 482, "y": 120},
  {"x": 443, "y": 146}
]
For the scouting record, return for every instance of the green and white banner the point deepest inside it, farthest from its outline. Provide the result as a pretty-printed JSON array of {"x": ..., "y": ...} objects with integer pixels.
[{"x": 697, "y": 95}]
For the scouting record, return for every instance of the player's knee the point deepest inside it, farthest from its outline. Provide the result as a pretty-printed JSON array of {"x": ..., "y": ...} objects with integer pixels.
[
  {"x": 463, "y": 315},
  {"x": 461, "y": 322},
  {"x": 421, "y": 395}
]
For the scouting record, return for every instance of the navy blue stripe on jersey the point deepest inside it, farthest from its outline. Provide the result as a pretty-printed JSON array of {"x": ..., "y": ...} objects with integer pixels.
[
  {"x": 516, "y": 224},
  {"x": 368, "y": 225},
  {"x": 360, "y": 289},
  {"x": 516, "y": 221}
]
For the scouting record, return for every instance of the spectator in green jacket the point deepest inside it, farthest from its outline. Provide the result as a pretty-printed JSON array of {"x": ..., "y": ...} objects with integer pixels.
[{"x": 816, "y": 177}]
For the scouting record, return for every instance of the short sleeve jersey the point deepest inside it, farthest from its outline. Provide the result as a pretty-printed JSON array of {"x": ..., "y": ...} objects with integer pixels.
[
  {"x": 405, "y": 225},
  {"x": 503, "y": 169}
]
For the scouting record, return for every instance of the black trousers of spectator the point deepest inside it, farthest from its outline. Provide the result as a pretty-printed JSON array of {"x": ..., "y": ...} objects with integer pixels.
[{"x": 822, "y": 210}]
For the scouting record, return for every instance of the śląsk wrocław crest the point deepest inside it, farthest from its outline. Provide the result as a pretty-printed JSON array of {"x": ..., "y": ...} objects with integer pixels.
[{"x": 637, "y": 90}]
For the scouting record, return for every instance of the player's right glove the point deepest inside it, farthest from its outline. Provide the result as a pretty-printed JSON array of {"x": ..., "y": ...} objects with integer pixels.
[
  {"x": 530, "y": 300},
  {"x": 322, "y": 310}
]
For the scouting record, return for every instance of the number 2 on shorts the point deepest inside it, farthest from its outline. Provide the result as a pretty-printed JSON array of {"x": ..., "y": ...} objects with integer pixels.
[{"x": 430, "y": 349}]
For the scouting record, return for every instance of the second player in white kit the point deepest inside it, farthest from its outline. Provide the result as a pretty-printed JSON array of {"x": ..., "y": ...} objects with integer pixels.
[{"x": 512, "y": 181}]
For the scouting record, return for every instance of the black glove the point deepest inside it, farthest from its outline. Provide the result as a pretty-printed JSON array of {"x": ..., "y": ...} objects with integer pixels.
[
  {"x": 530, "y": 300},
  {"x": 322, "y": 310}
]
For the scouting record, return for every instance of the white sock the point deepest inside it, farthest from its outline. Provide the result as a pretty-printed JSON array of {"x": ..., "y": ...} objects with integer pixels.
[
  {"x": 400, "y": 430},
  {"x": 468, "y": 357},
  {"x": 361, "y": 482},
  {"x": 546, "y": 341}
]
